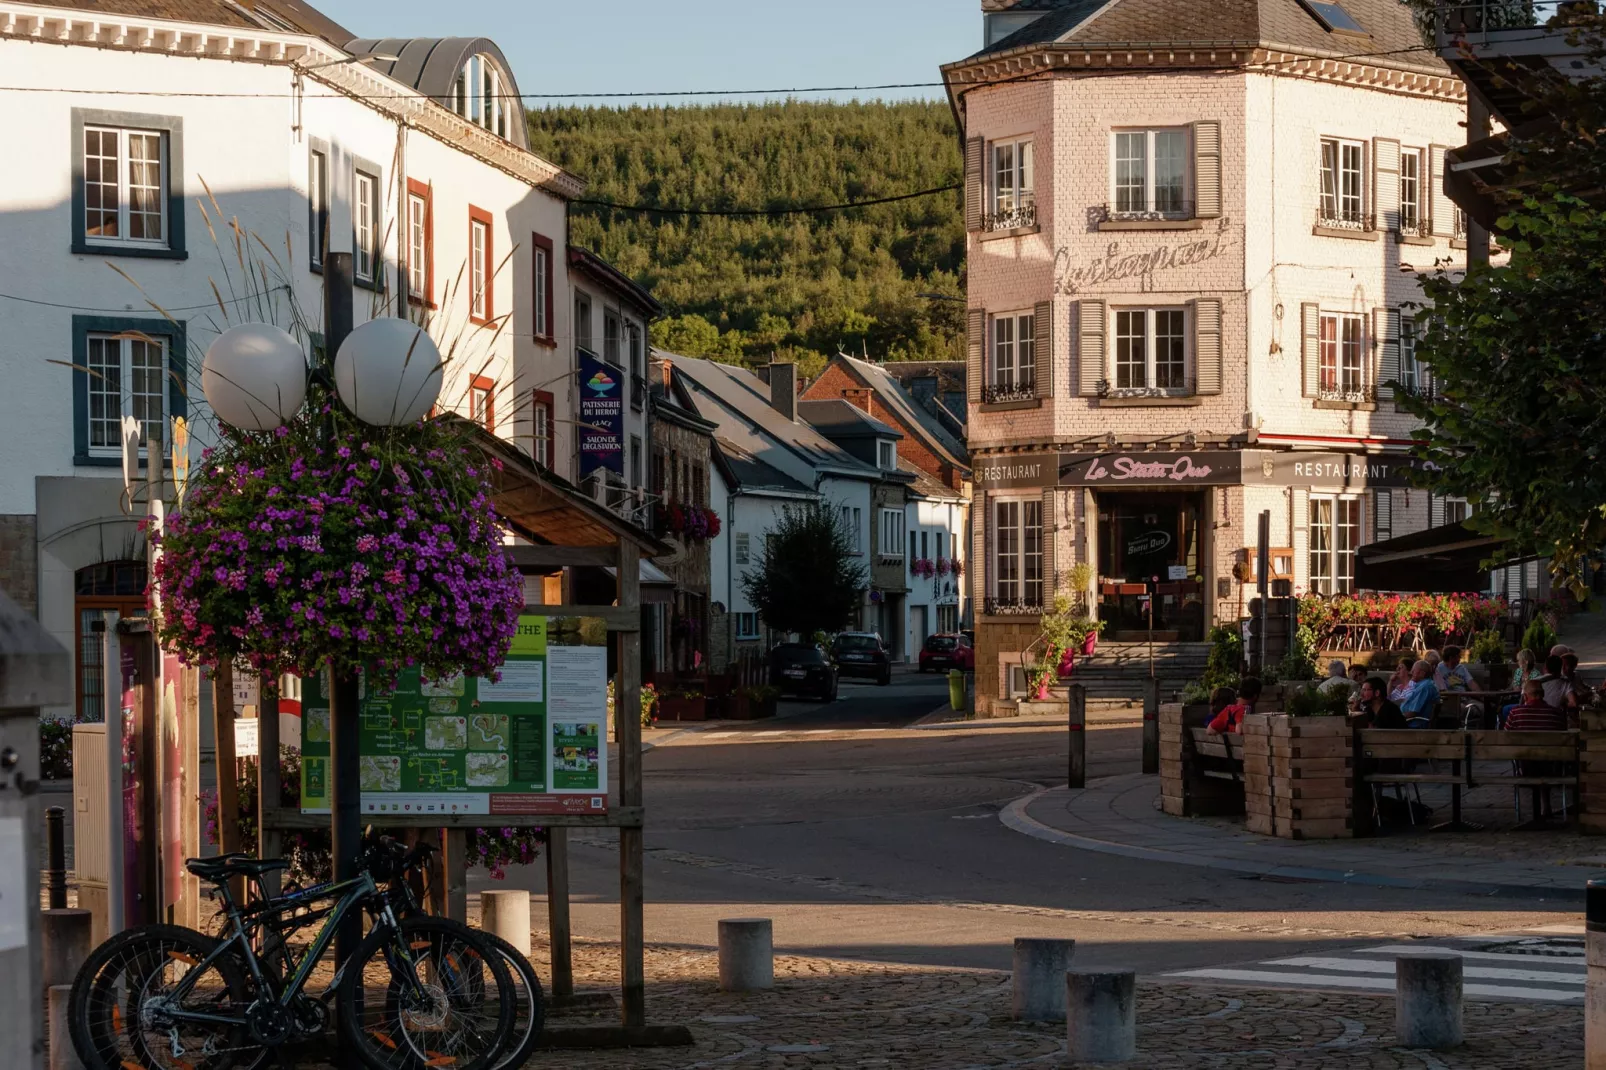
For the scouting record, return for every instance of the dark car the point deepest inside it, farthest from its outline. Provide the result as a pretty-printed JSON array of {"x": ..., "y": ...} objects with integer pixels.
[
  {"x": 803, "y": 669},
  {"x": 862, "y": 654},
  {"x": 947, "y": 651}
]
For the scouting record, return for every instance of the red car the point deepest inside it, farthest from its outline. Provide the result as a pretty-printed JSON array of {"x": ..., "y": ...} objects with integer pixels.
[{"x": 947, "y": 650}]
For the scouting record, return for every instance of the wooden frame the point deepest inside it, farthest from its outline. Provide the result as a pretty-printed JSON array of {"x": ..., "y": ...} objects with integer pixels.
[
  {"x": 426, "y": 193},
  {"x": 543, "y": 289},
  {"x": 486, "y": 385},
  {"x": 483, "y": 218}
]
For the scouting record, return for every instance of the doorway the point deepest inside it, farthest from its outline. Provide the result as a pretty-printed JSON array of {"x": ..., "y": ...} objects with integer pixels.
[
  {"x": 1150, "y": 562},
  {"x": 103, "y": 594},
  {"x": 917, "y": 630}
]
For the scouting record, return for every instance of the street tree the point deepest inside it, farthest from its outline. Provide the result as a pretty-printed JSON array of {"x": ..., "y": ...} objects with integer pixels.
[{"x": 807, "y": 579}]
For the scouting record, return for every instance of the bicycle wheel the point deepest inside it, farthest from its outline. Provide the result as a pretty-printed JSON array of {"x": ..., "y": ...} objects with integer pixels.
[
  {"x": 529, "y": 1006},
  {"x": 429, "y": 994},
  {"x": 121, "y": 1010}
]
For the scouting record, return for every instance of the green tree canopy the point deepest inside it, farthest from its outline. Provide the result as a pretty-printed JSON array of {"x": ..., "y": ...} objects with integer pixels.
[{"x": 807, "y": 579}]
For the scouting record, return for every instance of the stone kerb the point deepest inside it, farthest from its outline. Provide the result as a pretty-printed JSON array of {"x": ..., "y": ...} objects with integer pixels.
[{"x": 1299, "y": 776}]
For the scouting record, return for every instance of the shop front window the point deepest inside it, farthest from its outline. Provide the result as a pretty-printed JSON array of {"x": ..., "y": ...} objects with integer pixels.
[
  {"x": 1335, "y": 532},
  {"x": 1149, "y": 565}
]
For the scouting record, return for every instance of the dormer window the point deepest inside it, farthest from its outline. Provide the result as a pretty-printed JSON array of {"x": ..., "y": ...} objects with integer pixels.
[
  {"x": 887, "y": 455},
  {"x": 478, "y": 95},
  {"x": 1000, "y": 24}
]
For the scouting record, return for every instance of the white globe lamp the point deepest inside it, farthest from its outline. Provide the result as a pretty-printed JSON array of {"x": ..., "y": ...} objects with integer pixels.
[
  {"x": 254, "y": 376},
  {"x": 388, "y": 372}
]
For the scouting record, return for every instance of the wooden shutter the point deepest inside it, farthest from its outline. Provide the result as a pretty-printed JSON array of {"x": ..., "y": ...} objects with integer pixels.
[
  {"x": 1310, "y": 332},
  {"x": 1299, "y": 502},
  {"x": 1386, "y": 333},
  {"x": 1386, "y": 183},
  {"x": 975, "y": 354},
  {"x": 1435, "y": 511},
  {"x": 975, "y": 187},
  {"x": 1206, "y": 169},
  {"x": 1089, "y": 347},
  {"x": 1050, "y": 551},
  {"x": 1043, "y": 348},
  {"x": 1207, "y": 344},
  {"x": 1382, "y": 515},
  {"x": 981, "y": 577},
  {"x": 1441, "y": 208}
]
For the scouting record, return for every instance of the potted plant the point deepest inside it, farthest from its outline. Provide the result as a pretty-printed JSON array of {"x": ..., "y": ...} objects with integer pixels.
[
  {"x": 753, "y": 703},
  {"x": 683, "y": 704},
  {"x": 1065, "y": 629},
  {"x": 1489, "y": 650}
]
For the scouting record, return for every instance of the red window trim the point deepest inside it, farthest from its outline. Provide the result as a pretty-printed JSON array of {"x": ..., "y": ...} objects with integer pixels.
[
  {"x": 416, "y": 188},
  {"x": 541, "y": 241},
  {"x": 480, "y": 215},
  {"x": 487, "y": 384},
  {"x": 543, "y": 399}
]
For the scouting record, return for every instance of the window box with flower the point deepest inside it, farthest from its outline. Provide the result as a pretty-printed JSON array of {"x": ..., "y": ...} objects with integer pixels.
[{"x": 683, "y": 704}]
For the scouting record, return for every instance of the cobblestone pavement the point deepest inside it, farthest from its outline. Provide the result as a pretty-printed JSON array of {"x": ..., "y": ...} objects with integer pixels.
[{"x": 833, "y": 1013}]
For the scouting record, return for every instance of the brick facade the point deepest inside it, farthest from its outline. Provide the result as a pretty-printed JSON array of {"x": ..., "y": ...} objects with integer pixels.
[
  {"x": 19, "y": 560},
  {"x": 839, "y": 381}
]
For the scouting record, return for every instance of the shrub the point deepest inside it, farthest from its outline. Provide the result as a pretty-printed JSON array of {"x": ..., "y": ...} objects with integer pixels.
[
  {"x": 1539, "y": 638},
  {"x": 1312, "y": 701},
  {"x": 1225, "y": 662},
  {"x": 1487, "y": 649},
  {"x": 55, "y": 749}
]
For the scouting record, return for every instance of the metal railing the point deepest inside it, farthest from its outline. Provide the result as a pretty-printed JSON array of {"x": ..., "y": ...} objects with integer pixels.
[
  {"x": 1486, "y": 16},
  {"x": 1418, "y": 227},
  {"x": 1166, "y": 209},
  {"x": 1022, "y": 215},
  {"x": 1358, "y": 395},
  {"x": 994, "y": 607},
  {"x": 1342, "y": 219},
  {"x": 999, "y": 392},
  {"x": 1183, "y": 390}
]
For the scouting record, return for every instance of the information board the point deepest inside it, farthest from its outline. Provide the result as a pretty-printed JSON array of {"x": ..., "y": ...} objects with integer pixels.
[{"x": 533, "y": 742}]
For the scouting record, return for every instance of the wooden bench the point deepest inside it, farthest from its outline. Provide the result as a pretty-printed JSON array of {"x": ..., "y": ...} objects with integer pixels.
[
  {"x": 1220, "y": 756},
  {"x": 1385, "y": 747}
]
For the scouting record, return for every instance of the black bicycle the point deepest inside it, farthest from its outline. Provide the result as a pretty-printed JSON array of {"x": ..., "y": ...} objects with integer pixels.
[{"x": 417, "y": 992}]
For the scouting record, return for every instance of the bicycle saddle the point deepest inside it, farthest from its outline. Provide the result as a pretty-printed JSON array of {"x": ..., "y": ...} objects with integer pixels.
[{"x": 223, "y": 867}]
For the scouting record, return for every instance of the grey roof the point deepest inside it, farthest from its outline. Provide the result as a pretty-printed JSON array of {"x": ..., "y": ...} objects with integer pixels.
[
  {"x": 892, "y": 393},
  {"x": 431, "y": 65},
  {"x": 836, "y": 418},
  {"x": 750, "y": 473},
  {"x": 923, "y": 485}
]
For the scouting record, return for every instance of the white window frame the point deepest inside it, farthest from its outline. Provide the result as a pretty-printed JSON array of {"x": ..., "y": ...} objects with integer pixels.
[
  {"x": 582, "y": 321},
  {"x": 1414, "y": 217},
  {"x": 1411, "y": 371},
  {"x": 479, "y": 233},
  {"x": 543, "y": 434},
  {"x": 1352, "y": 371},
  {"x": 1331, "y": 562},
  {"x": 365, "y": 226},
  {"x": 1016, "y": 575},
  {"x": 892, "y": 533},
  {"x": 418, "y": 246},
  {"x": 613, "y": 334},
  {"x": 1459, "y": 506},
  {"x": 1342, "y": 188},
  {"x": 853, "y": 520},
  {"x": 743, "y": 548},
  {"x": 746, "y": 625},
  {"x": 1010, "y": 336},
  {"x": 317, "y": 205},
  {"x": 123, "y": 186},
  {"x": 100, "y": 389},
  {"x": 1129, "y": 199},
  {"x": 886, "y": 454},
  {"x": 542, "y": 268},
  {"x": 1021, "y": 192},
  {"x": 481, "y": 404},
  {"x": 1150, "y": 320}
]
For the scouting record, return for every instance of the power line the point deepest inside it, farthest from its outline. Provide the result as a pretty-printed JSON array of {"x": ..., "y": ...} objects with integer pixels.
[
  {"x": 119, "y": 311},
  {"x": 802, "y": 210}
]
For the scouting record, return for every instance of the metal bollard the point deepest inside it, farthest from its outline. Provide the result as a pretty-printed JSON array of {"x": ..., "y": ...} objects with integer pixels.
[
  {"x": 1595, "y": 992},
  {"x": 1076, "y": 766},
  {"x": 65, "y": 936},
  {"x": 1101, "y": 1016},
  {"x": 1427, "y": 1000},
  {"x": 1037, "y": 979},
  {"x": 1151, "y": 726},
  {"x": 63, "y": 1056},
  {"x": 746, "y": 954},
  {"x": 56, "y": 856},
  {"x": 507, "y": 914}
]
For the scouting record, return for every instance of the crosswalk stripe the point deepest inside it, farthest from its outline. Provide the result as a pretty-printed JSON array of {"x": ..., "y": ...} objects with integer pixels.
[
  {"x": 1374, "y": 983},
  {"x": 1569, "y": 956},
  {"x": 1489, "y": 973}
]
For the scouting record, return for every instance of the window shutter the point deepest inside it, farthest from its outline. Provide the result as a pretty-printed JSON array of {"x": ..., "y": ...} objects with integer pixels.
[
  {"x": 1386, "y": 333},
  {"x": 1299, "y": 501},
  {"x": 1090, "y": 347},
  {"x": 1435, "y": 511},
  {"x": 1310, "y": 329},
  {"x": 1382, "y": 515},
  {"x": 1442, "y": 208},
  {"x": 1043, "y": 348},
  {"x": 1206, "y": 169},
  {"x": 975, "y": 152},
  {"x": 1207, "y": 344},
  {"x": 1050, "y": 571},
  {"x": 976, "y": 354},
  {"x": 1386, "y": 183},
  {"x": 982, "y": 580}
]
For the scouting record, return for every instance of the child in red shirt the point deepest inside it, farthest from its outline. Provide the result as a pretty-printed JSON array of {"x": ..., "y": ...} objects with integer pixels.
[{"x": 1230, "y": 718}]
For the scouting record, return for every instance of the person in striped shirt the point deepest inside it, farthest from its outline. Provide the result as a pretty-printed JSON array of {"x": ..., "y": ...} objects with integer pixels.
[{"x": 1535, "y": 714}]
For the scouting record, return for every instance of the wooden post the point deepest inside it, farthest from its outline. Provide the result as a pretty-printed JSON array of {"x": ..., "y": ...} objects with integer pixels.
[
  {"x": 557, "y": 912},
  {"x": 270, "y": 842},
  {"x": 1076, "y": 767},
  {"x": 436, "y": 903},
  {"x": 1151, "y": 725},
  {"x": 228, "y": 772},
  {"x": 455, "y": 861},
  {"x": 628, "y": 721}
]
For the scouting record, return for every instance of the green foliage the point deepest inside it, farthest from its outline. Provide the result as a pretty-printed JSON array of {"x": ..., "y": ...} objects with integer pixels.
[
  {"x": 55, "y": 749},
  {"x": 1539, "y": 637},
  {"x": 1195, "y": 693},
  {"x": 1312, "y": 701},
  {"x": 808, "y": 578},
  {"x": 1300, "y": 661},
  {"x": 797, "y": 287},
  {"x": 1487, "y": 648},
  {"x": 1224, "y": 664},
  {"x": 1064, "y": 627}
]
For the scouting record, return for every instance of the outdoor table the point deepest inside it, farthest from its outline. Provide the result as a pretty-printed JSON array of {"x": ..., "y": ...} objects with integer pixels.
[{"x": 1492, "y": 701}]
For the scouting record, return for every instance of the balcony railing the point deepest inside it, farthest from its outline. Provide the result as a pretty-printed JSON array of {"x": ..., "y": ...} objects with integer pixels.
[
  {"x": 1182, "y": 390},
  {"x": 1006, "y": 218},
  {"x": 992, "y": 393},
  {"x": 1356, "y": 395},
  {"x": 1330, "y": 218},
  {"x": 1418, "y": 226},
  {"x": 1161, "y": 211},
  {"x": 1013, "y": 607}
]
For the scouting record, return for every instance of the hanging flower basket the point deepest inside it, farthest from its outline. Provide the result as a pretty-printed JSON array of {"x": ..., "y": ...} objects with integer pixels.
[
  {"x": 688, "y": 523},
  {"x": 924, "y": 568}
]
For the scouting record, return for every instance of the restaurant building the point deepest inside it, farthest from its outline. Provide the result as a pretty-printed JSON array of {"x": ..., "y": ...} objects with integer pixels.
[{"x": 1192, "y": 236}]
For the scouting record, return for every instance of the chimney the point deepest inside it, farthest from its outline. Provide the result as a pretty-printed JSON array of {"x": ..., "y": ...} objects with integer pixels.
[{"x": 783, "y": 389}]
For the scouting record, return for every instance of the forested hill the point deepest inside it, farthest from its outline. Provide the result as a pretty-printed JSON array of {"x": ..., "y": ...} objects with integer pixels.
[{"x": 797, "y": 286}]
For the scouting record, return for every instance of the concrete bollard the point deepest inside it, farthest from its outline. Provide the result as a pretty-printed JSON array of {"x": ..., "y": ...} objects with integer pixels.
[
  {"x": 746, "y": 954},
  {"x": 507, "y": 914},
  {"x": 64, "y": 935},
  {"x": 1037, "y": 979},
  {"x": 1101, "y": 1016},
  {"x": 63, "y": 1056},
  {"x": 1427, "y": 1000},
  {"x": 1595, "y": 990}
]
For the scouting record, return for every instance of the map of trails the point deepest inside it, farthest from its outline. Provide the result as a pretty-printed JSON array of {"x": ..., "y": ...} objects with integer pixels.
[
  {"x": 446, "y": 733},
  {"x": 315, "y": 724},
  {"x": 381, "y": 773},
  {"x": 487, "y": 770},
  {"x": 488, "y": 731}
]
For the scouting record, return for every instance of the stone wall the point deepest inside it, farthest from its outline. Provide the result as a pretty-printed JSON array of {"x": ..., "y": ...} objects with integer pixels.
[{"x": 19, "y": 560}]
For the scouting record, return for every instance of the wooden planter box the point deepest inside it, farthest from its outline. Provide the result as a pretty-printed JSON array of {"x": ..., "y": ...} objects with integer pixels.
[
  {"x": 683, "y": 709},
  {"x": 1299, "y": 776},
  {"x": 741, "y": 708},
  {"x": 1592, "y": 772},
  {"x": 1184, "y": 790}
]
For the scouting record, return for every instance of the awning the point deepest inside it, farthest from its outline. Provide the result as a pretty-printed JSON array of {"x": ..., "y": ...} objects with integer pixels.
[{"x": 1441, "y": 560}]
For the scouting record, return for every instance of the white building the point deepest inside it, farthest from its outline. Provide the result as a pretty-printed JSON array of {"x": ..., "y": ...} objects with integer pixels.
[{"x": 257, "y": 121}]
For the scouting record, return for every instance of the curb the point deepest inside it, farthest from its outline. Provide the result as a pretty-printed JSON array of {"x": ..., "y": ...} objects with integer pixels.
[{"x": 1015, "y": 817}]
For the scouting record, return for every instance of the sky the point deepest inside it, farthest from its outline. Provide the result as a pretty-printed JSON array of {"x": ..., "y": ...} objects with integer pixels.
[{"x": 598, "y": 46}]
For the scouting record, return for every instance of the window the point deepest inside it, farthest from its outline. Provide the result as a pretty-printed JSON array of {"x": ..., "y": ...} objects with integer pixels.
[
  {"x": 124, "y": 366},
  {"x": 365, "y": 204},
  {"x": 924, "y": 544},
  {"x": 1342, "y": 172},
  {"x": 1335, "y": 531},
  {"x": 1014, "y": 354},
  {"x": 913, "y": 557},
  {"x": 660, "y": 466},
  {"x": 747, "y": 625},
  {"x": 853, "y": 522},
  {"x": 1341, "y": 371},
  {"x": 1151, "y": 350},
  {"x": 1018, "y": 554},
  {"x": 125, "y": 186},
  {"x": 699, "y": 477},
  {"x": 1150, "y": 172},
  {"x": 1455, "y": 510},
  {"x": 481, "y": 307},
  {"x": 1382, "y": 515},
  {"x": 582, "y": 321},
  {"x": 638, "y": 385},
  {"x": 635, "y": 460},
  {"x": 420, "y": 244},
  {"x": 478, "y": 95},
  {"x": 743, "y": 547},
  {"x": 1413, "y": 220},
  {"x": 541, "y": 411},
  {"x": 1411, "y": 373},
  {"x": 317, "y": 207},
  {"x": 482, "y": 402},
  {"x": 892, "y": 533},
  {"x": 939, "y": 544},
  {"x": 542, "y": 270},
  {"x": 610, "y": 337},
  {"x": 886, "y": 455},
  {"x": 104, "y": 592},
  {"x": 947, "y": 619},
  {"x": 1012, "y": 176},
  {"x": 1000, "y": 25}
]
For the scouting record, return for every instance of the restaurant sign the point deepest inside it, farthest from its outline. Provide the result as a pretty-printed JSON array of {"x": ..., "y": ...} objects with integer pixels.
[
  {"x": 1329, "y": 469},
  {"x": 1208, "y": 468}
]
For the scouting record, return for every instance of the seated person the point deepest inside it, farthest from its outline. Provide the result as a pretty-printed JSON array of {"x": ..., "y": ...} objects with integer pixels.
[
  {"x": 1451, "y": 675},
  {"x": 1376, "y": 711},
  {"x": 1357, "y": 677},
  {"x": 1558, "y": 691},
  {"x": 1535, "y": 714},
  {"x": 1581, "y": 692},
  {"x": 1400, "y": 682},
  {"x": 1337, "y": 678},
  {"x": 1230, "y": 718},
  {"x": 1422, "y": 700}
]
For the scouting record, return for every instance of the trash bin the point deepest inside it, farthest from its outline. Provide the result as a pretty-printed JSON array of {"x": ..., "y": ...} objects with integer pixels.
[{"x": 956, "y": 689}]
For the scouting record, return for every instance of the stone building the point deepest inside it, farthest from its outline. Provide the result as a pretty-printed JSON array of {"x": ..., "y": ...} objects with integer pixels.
[
  {"x": 1192, "y": 229},
  {"x": 682, "y": 458}
]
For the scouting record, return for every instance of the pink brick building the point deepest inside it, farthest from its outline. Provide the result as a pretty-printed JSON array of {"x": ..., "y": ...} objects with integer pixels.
[{"x": 1193, "y": 227}]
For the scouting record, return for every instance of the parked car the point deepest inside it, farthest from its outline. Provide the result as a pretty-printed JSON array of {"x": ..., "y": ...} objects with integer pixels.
[
  {"x": 862, "y": 654},
  {"x": 947, "y": 650},
  {"x": 803, "y": 669}
]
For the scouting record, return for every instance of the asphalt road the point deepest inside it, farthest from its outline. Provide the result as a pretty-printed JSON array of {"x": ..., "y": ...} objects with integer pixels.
[{"x": 863, "y": 838}]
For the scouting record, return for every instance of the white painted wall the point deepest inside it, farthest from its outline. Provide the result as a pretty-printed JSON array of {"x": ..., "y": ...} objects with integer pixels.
[{"x": 932, "y": 518}]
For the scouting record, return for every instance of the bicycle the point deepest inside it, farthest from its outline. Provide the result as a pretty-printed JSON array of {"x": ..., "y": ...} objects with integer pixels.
[{"x": 417, "y": 992}]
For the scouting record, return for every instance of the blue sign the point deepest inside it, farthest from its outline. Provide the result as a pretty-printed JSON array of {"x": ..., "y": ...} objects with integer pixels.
[{"x": 602, "y": 416}]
